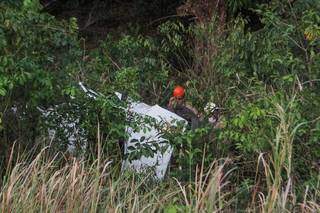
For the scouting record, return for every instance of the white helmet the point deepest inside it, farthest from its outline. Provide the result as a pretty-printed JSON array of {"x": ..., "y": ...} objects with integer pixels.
[{"x": 210, "y": 107}]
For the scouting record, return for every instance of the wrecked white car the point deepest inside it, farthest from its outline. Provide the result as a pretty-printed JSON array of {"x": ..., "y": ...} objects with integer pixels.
[{"x": 145, "y": 149}]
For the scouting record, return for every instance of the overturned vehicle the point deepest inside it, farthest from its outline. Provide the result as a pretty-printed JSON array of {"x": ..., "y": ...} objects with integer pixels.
[{"x": 145, "y": 148}]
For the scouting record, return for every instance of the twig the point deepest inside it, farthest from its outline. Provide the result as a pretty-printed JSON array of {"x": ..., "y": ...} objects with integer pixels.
[
  {"x": 90, "y": 21},
  {"x": 163, "y": 18},
  {"x": 310, "y": 81}
]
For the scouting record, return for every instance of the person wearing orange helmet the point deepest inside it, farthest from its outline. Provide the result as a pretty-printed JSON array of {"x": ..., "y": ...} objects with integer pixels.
[
  {"x": 177, "y": 97},
  {"x": 179, "y": 106}
]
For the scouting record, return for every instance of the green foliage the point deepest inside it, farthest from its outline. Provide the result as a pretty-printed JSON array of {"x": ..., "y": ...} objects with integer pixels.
[
  {"x": 256, "y": 70},
  {"x": 41, "y": 64},
  {"x": 266, "y": 81},
  {"x": 138, "y": 61},
  {"x": 31, "y": 4},
  {"x": 15, "y": 3},
  {"x": 235, "y": 5},
  {"x": 35, "y": 52},
  {"x": 42, "y": 58}
]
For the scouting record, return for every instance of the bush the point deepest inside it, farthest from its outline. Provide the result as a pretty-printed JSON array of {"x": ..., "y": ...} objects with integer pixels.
[
  {"x": 35, "y": 53},
  {"x": 251, "y": 72},
  {"x": 266, "y": 80},
  {"x": 42, "y": 65}
]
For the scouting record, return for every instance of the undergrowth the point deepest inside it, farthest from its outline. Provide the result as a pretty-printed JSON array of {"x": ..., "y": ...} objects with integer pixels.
[{"x": 262, "y": 157}]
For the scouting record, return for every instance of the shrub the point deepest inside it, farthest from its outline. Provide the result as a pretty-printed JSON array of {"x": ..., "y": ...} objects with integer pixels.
[
  {"x": 42, "y": 63},
  {"x": 35, "y": 53},
  {"x": 250, "y": 71}
]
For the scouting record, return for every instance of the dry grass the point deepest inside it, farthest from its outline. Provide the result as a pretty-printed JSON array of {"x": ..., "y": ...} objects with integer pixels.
[
  {"x": 279, "y": 195},
  {"x": 75, "y": 187},
  {"x": 45, "y": 185}
]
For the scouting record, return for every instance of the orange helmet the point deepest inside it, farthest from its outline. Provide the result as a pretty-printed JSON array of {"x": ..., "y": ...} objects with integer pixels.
[{"x": 178, "y": 92}]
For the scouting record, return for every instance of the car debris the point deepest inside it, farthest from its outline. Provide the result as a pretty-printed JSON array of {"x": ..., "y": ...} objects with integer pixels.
[{"x": 147, "y": 135}]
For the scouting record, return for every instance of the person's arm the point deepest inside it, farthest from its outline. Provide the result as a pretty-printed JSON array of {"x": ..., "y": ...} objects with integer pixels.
[
  {"x": 194, "y": 110},
  {"x": 172, "y": 103}
]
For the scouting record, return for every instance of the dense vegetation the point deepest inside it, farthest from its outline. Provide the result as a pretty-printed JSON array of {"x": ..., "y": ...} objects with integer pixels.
[{"x": 258, "y": 60}]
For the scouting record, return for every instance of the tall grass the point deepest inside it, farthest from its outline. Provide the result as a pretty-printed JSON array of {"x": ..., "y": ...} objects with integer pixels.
[
  {"x": 280, "y": 195},
  {"x": 42, "y": 185},
  {"x": 49, "y": 184}
]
